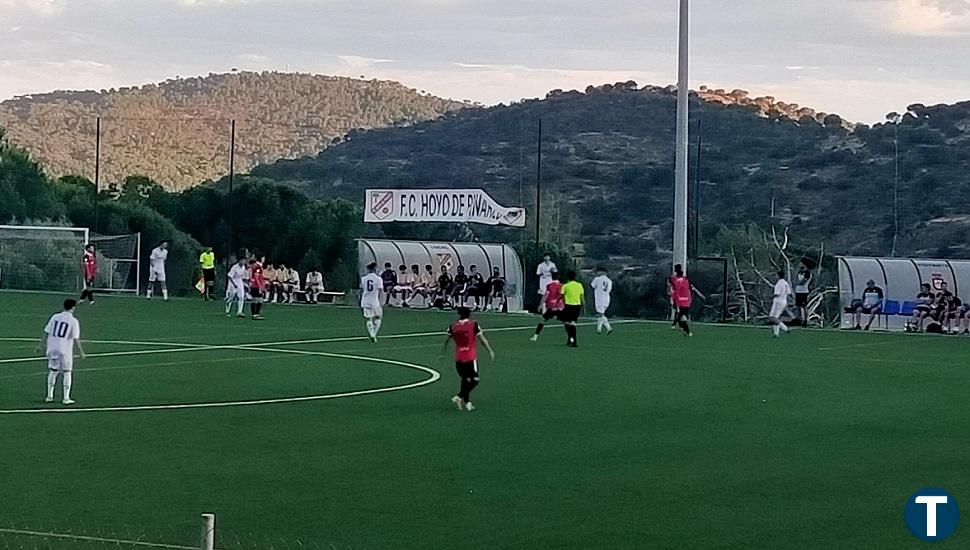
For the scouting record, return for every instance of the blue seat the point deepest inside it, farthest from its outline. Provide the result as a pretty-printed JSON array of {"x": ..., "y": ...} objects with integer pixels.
[
  {"x": 909, "y": 306},
  {"x": 891, "y": 307}
]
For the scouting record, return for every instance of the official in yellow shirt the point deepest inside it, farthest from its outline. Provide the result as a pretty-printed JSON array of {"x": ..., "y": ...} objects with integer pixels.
[
  {"x": 208, "y": 262},
  {"x": 573, "y": 294}
]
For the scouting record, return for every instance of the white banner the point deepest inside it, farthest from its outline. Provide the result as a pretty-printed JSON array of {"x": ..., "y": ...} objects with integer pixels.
[{"x": 438, "y": 205}]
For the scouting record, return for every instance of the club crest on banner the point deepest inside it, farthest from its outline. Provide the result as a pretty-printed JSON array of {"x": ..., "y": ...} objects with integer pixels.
[{"x": 381, "y": 204}]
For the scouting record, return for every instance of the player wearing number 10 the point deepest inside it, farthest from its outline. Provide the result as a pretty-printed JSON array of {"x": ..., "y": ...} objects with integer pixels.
[
  {"x": 371, "y": 287},
  {"x": 60, "y": 335}
]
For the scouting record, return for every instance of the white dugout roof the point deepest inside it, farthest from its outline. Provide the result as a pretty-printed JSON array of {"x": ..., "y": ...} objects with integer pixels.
[{"x": 485, "y": 256}]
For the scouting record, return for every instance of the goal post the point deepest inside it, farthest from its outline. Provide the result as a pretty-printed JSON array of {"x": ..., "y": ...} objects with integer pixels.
[{"x": 48, "y": 258}]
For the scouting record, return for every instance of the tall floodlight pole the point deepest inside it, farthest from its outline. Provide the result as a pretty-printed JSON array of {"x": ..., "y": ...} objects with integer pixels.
[
  {"x": 97, "y": 172},
  {"x": 232, "y": 172},
  {"x": 680, "y": 169}
]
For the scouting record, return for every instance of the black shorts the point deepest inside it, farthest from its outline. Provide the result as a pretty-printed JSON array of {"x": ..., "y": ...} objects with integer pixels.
[
  {"x": 552, "y": 314},
  {"x": 255, "y": 293},
  {"x": 498, "y": 289},
  {"x": 801, "y": 299},
  {"x": 570, "y": 314},
  {"x": 209, "y": 275},
  {"x": 467, "y": 369},
  {"x": 685, "y": 311},
  {"x": 867, "y": 310}
]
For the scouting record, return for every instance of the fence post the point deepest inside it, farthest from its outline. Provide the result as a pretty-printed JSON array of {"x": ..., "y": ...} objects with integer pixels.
[{"x": 208, "y": 532}]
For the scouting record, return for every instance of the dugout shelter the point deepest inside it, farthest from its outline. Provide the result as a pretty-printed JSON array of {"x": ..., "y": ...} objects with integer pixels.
[
  {"x": 900, "y": 280},
  {"x": 483, "y": 255}
]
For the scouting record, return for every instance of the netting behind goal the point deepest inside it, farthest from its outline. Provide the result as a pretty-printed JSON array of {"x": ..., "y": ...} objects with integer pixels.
[
  {"x": 118, "y": 257},
  {"x": 49, "y": 259}
]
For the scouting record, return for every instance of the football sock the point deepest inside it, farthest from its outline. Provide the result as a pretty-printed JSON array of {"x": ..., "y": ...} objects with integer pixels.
[
  {"x": 571, "y": 332},
  {"x": 775, "y": 329},
  {"x": 165, "y": 294},
  {"x": 684, "y": 326},
  {"x": 51, "y": 382},
  {"x": 467, "y": 385},
  {"x": 606, "y": 324},
  {"x": 377, "y": 326},
  {"x": 240, "y": 303},
  {"x": 370, "y": 328},
  {"x": 539, "y": 328},
  {"x": 67, "y": 379},
  {"x": 783, "y": 327},
  {"x": 150, "y": 290}
]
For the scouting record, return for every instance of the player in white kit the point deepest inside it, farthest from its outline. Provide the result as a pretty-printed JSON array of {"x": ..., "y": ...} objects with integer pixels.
[
  {"x": 371, "y": 288},
  {"x": 156, "y": 270},
  {"x": 60, "y": 335},
  {"x": 237, "y": 282},
  {"x": 545, "y": 271},
  {"x": 602, "y": 288},
  {"x": 779, "y": 303}
]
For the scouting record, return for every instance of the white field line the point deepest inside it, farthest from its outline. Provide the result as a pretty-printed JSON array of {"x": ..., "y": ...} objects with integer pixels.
[
  {"x": 95, "y": 539},
  {"x": 151, "y": 365},
  {"x": 433, "y": 377},
  {"x": 179, "y": 347}
]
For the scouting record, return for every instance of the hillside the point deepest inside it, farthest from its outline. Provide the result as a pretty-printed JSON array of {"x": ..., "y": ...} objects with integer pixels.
[
  {"x": 607, "y": 169},
  {"x": 178, "y": 131}
]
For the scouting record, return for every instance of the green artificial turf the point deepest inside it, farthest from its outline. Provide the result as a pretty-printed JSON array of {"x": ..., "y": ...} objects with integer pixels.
[{"x": 641, "y": 439}]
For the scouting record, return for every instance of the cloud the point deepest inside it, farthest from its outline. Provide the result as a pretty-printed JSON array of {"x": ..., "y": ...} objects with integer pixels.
[
  {"x": 936, "y": 18},
  {"x": 39, "y": 7},
  {"x": 361, "y": 62}
]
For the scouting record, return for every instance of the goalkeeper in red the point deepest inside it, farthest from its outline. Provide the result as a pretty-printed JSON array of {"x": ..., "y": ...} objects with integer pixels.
[
  {"x": 89, "y": 267},
  {"x": 466, "y": 333}
]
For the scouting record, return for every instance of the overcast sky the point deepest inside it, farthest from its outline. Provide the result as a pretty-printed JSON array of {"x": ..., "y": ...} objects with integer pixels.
[{"x": 858, "y": 58}]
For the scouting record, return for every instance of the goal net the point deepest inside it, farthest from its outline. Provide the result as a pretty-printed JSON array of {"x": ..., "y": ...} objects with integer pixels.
[{"x": 49, "y": 259}]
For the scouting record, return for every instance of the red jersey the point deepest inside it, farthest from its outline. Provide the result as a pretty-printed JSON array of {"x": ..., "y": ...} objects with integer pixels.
[
  {"x": 256, "y": 279},
  {"x": 465, "y": 333},
  {"x": 90, "y": 262},
  {"x": 554, "y": 299},
  {"x": 681, "y": 287}
]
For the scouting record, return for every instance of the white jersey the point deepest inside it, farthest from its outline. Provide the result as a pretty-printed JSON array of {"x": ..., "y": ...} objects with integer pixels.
[
  {"x": 370, "y": 290},
  {"x": 602, "y": 287},
  {"x": 545, "y": 271},
  {"x": 238, "y": 275},
  {"x": 157, "y": 259},
  {"x": 293, "y": 277},
  {"x": 782, "y": 291},
  {"x": 314, "y": 278},
  {"x": 62, "y": 330}
]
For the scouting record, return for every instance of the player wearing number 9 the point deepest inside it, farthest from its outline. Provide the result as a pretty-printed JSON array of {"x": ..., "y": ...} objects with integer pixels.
[{"x": 62, "y": 333}]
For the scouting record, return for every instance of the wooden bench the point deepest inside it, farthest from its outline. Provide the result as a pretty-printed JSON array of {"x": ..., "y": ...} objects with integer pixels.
[{"x": 326, "y": 297}]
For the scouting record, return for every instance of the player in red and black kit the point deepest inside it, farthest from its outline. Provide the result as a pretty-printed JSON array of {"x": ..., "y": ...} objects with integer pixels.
[
  {"x": 89, "y": 267},
  {"x": 257, "y": 288},
  {"x": 466, "y": 334},
  {"x": 682, "y": 298},
  {"x": 554, "y": 302}
]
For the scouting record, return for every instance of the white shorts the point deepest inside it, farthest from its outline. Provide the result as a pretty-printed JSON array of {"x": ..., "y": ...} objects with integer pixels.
[
  {"x": 237, "y": 293},
  {"x": 777, "y": 308},
  {"x": 543, "y": 285},
  {"x": 314, "y": 288},
  {"x": 402, "y": 288},
  {"x": 156, "y": 275},
  {"x": 60, "y": 362},
  {"x": 372, "y": 311},
  {"x": 602, "y": 307}
]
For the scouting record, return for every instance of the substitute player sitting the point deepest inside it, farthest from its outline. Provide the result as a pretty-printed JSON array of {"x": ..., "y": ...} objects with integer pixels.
[
  {"x": 466, "y": 335},
  {"x": 292, "y": 284},
  {"x": 62, "y": 333},
  {"x": 496, "y": 289},
  {"x": 445, "y": 286},
  {"x": 871, "y": 304},
  {"x": 314, "y": 285},
  {"x": 475, "y": 289},
  {"x": 923, "y": 307},
  {"x": 405, "y": 284}
]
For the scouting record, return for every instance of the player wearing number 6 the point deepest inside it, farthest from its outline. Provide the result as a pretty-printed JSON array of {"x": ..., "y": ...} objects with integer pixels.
[
  {"x": 371, "y": 288},
  {"x": 60, "y": 335}
]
